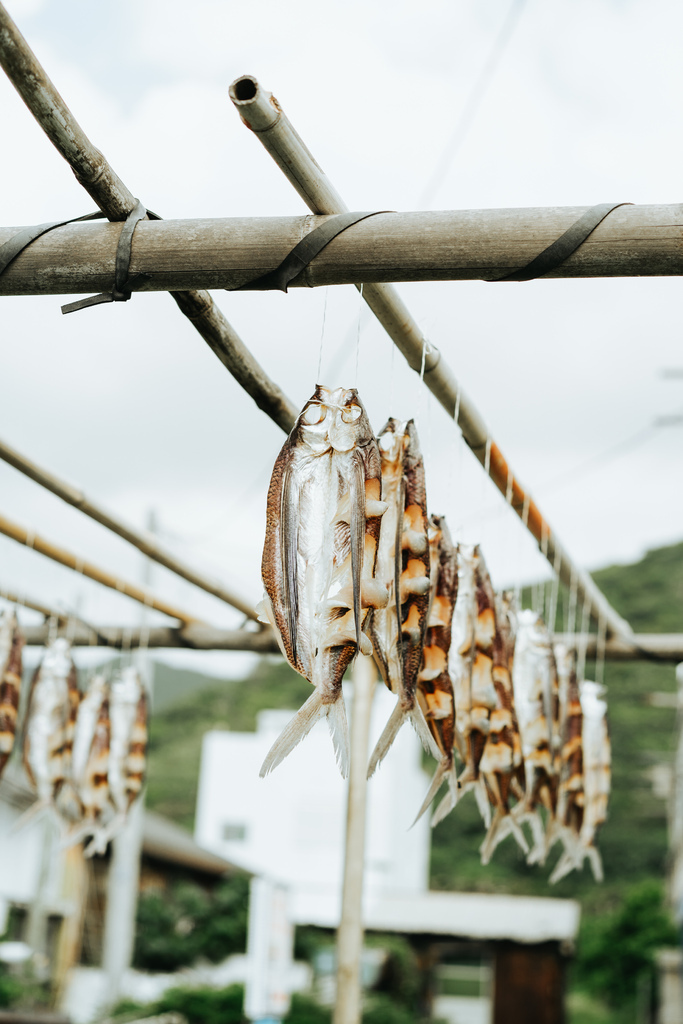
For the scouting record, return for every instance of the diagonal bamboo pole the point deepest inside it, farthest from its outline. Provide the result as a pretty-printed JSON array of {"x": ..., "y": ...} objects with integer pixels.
[
  {"x": 44, "y": 547},
  {"x": 261, "y": 112},
  {"x": 116, "y": 201},
  {"x": 144, "y": 543}
]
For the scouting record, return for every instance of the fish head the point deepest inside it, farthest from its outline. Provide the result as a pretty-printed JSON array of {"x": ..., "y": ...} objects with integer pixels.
[
  {"x": 390, "y": 441},
  {"x": 333, "y": 418}
]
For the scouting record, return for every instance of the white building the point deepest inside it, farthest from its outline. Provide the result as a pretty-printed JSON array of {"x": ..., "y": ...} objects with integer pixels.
[{"x": 290, "y": 826}]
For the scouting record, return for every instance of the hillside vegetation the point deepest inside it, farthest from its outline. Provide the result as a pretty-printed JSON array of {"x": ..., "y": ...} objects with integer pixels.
[{"x": 649, "y": 594}]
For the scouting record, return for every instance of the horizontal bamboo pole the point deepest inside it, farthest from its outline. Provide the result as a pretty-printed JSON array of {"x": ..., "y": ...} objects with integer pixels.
[
  {"x": 261, "y": 112},
  {"x": 195, "y": 636},
  {"x": 57, "y": 554},
  {"x": 116, "y": 201},
  {"x": 35, "y": 606},
  {"x": 143, "y": 542},
  {"x": 663, "y": 647},
  {"x": 450, "y": 245}
]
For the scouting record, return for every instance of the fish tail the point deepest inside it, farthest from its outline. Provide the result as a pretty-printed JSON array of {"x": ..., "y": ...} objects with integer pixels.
[
  {"x": 450, "y": 800},
  {"x": 419, "y": 724},
  {"x": 595, "y": 861},
  {"x": 33, "y": 813},
  {"x": 300, "y": 726},
  {"x": 565, "y": 864},
  {"x": 388, "y": 736},
  {"x": 483, "y": 803},
  {"x": 102, "y": 835},
  {"x": 501, "y": 827},
  {"x": 434, "y": 786},
  {"x": 538, "y": 850}
]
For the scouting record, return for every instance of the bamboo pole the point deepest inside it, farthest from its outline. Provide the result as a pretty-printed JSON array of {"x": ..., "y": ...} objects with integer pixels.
[
  {"x": 116, "y": 201},
  {"x": 145, "y": 543},
  {"x": 261, "y": 112},
  {"x": 447, "y": 245},
  {"x": 44, "y": 547},
  {"x": 195, "y": 636},
  {"x": 663, "y": 647},
  {"x": 347, "y": 1006}
]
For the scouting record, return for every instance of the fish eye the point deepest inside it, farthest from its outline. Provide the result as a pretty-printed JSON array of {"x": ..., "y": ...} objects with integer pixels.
[
  {"x": 313, "y": 414},
  {"x": 351, "y": 414}
]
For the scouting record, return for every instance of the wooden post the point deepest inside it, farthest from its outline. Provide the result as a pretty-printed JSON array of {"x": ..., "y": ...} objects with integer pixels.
[{"x": 350, "y": 935}]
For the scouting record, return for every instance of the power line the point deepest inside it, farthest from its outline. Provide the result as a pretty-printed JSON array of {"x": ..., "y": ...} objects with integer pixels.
[{"x": 472, "y": 103}]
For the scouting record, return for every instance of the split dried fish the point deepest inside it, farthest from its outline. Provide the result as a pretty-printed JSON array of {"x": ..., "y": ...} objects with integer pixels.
[
  {"x": 502, "y": 765},
  {"x": 536, "y": 693},
  {"x": 597, "y": 762},
  {"x": 90, "y": 763},
  {"x": 398, "y": 629},
  {"x": 11, "y": 644},
  {"x": 434, "y": 686},
  {"x": 471, "y": 665},
  {"x": 49, "y": 725},
  {"x": 322, "y": 529},
  {"x": 570, "y": 795}
]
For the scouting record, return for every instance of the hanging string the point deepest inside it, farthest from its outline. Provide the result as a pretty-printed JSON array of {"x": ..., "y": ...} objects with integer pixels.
[
  {"x": 600, "y": 649},
  {"x": 392, "y": 378},
  {"x": 541, "y": 595},
  {"x": 456, "y": 466},
  {"x": 583, "y": 640},
  {"x": 144, "y": 631},
  {"x": 573, "y": 601},
  {"x": 360, "y": 310},
  {"x": 70, "y": 617},
  {"x": 554, "y": 590},
  {"x": 322, "y": 336},
  {"x": 525, "y": 520}
]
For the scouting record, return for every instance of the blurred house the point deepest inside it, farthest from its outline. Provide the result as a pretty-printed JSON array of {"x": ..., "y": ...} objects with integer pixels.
[{"x": 484, "y": 959}]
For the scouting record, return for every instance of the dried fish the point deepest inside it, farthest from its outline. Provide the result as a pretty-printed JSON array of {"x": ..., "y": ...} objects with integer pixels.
[
  {"x": 90, "y": 764},
  {"x": 536, "y": 694},
  {"x": 398, "y": 630},
  {"x": 502, "y": 764},
  {"x": 597, "y": 761},
  {"x": 434, "y": 686},
  {"x": 570, "y": 795},
  {"x": 471, "y": 666},
  {"x": 49, "y": 725},
  {"x": 322, "y": 529},
  {"x": 11, "y": 644}
]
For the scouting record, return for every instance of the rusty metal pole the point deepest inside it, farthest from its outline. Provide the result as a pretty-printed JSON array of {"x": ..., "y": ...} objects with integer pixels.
[{"x": 347, "y": 1008}]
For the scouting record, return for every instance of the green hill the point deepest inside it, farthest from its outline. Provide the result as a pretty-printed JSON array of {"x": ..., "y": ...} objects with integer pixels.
[{"x": 648, "y": 593}]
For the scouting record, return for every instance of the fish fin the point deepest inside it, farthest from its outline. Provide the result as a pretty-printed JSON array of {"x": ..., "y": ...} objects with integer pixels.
[
  {"x": 483, "y": 803},
  {"x": 357, "y": 527},
  {"x": 339, "y": 730},
  {"x": 299, "y": 727},
  {"x": 537, "y": 854},
  {"x": 388, "y": 736},
  {"x": 434, "y": 786},
  {"x": 289, "y": 530}
]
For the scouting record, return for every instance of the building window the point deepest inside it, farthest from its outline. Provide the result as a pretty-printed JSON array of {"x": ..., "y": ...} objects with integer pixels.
[{"x": 234, "y": 833}]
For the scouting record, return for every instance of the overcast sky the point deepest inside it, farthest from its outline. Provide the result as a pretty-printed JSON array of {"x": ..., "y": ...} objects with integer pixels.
[{"x": 127, "y": 401}]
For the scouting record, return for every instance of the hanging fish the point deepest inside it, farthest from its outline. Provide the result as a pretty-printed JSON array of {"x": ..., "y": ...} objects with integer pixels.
[
  {"x": 322, "y": 529},
  {"x": 434, "y": 686},
  {"x": 11, "y": 644},
  {"x": 403, "y": 567},
  {"x": 536, "y": 696},
  {"x": 570, "y": 796},
  {"x": 90, "y": 761},
  {"x": 502, "y": 765},
  {"x": 49, "y": 724},
  {"x": 471, "y": 665},
  {"x": 128, "y": 709}
]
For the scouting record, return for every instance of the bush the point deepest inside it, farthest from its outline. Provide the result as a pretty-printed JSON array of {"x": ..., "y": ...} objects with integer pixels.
[
  {"x": 176, "y": 927},
  {"x": 616, "y": 949},
  {"x": 205, "y": 1005}
]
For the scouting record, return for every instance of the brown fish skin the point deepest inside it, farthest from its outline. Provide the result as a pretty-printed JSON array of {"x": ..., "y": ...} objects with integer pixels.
[
  {"x": 398, "y": 633},
  {"x": 570, "y": 793},
  {"x": 434, "y": 685},
  {"x": 322, "y": 530},
  {"x": 484, "y": 698},
  {"x": 136, "y": 761},
  {"x": 10, "y": 688}
]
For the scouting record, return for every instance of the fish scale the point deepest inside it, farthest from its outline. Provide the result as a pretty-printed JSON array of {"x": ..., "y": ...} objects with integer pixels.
[
  {"x": 48, "y": 734},
  {"x": 434, "y": 685},
  {"x": 322, "y": 529},
  {"x": 403, "y": 566}
]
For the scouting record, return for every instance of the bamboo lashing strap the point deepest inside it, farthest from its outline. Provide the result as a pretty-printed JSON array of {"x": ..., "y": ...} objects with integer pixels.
[
  {"x": 297, "y": 260},
  {"x": 562, "y": 248},
  {"x": 124, "y": 285},
  {"x": 17, "y": 243}
]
